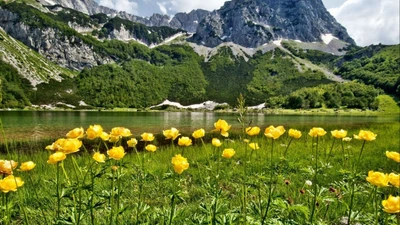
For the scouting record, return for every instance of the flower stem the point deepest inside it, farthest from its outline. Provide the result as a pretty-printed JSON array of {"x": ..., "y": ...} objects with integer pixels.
[
  {"x": 287, "y": 147},
  {"x": 58, "y": 190},
  {"x": 314, "y": 202}
]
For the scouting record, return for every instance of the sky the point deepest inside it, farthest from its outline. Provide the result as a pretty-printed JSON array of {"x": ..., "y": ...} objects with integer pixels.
[{"x": 367, "y": 21}]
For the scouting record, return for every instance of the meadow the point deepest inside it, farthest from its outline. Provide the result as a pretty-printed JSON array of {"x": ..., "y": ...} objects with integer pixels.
[{"x": 254, "y": 175}]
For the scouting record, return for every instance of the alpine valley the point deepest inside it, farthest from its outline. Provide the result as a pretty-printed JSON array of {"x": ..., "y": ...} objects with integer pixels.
[{"x": 282, "y": 54}]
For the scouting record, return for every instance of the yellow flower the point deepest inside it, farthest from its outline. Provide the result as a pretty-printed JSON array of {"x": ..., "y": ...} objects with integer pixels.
[
  {"x": 99, "y": 157},
  {"x": 184, "y": 141},
  {"x": 199, "y": 133},
  {"x": 274, "y": 132},
  {"x": 104, "y": 136},
  {"x": 393, "y": 155},
  {"x": 76, "y": 133},
  {"x": 119, "y": 132},
  {"x": 378, "y": 179},
  {"x": 228, "y": 153},
  {"x": 7, "y": 166},
  {"x": 392, "y": 204},
  {"x": 317, "y": 132},
  {"x": 346, "y": 139},
  {"x": 180, "y": 163},
  {"x": 147, "y": 137},
  {"x": 151, "y": 148},
  {"x": 94, "y": 131},
  {"x": 365, "y": 135},
  {"x": 132, "y": 142},
  {"x": 246, "y": 140},
  {"x": 10, "y": 183},
  {"x": 56, "y": 157},
  {"x": 254, "y": 146},
  {"x": 394, "y": 179},
  {"x": 66, "y": 145},
  {"x": 339, "y": 134},
  {"x": 294, "y": 133},
  {"x": 26, "y": 166},
  {"x": 252, "y": 131},
  {"x": 223, "y": 127},
  {"x": 172, "y": 133},
  {"x": 216, "y": 142},
  {"x": 116, "y": 153}
]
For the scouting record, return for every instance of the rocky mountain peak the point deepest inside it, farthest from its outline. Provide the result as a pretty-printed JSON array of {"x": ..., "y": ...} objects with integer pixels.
[{"x": 252, "y": 23}]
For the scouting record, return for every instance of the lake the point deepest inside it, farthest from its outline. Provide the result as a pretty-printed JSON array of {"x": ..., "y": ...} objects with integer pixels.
[{"x": 32, "y": 125}]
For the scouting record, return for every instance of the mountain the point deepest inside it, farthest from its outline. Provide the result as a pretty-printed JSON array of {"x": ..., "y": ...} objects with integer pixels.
[{"x": 252, "y": 23}]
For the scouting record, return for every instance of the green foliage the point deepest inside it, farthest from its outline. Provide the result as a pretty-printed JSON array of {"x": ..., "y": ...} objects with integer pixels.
[{"x": 315, "y": 56}]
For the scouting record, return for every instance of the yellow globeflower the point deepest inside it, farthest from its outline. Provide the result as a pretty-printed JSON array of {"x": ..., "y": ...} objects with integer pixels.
[
  {"x": 180, "y": 163},
  {"x": 26, "y": 166},
  {"x": 116, "y": 153},
  {"x": 254, "y": 146},
  {"x": 199, "y": 133},
  {"x": 365, "y": 135},
  {"x": 393, "y": 155},
  {"x": 339, "y": 134},
  {"x": 294, "y": 133},
  {"x": 252, "y": 131},
  {"x": 394, "y": 179},
  {"x": 378, "y": 179},
  {"x": 67, "y": 146},
  {"x": 104, "y": 136},
  {"x": 99, "y": 157},
  {"x": 223, "y": 127},
  {"x": 274, "y": 132},
  {"x": 94, "y": 131},
  {"x": 151, "y": 148},
  {"x": 132, "y": 142},
  {"x": 216, "y": 142},
  {"x": 147, "y": 137},
  {"x": 76, "y": 133},
  {"x": 56, "y": 157},
  {"x": 7, "y": 166},
  {"x": 317, "y": 132},
  {"x": 172, "y": 133},
  {"x": 228, "y": 153},
  {"x": 392, "y": 204},
  {"x": 184, "y": 141},
  {"x": 10, "y": 183}
]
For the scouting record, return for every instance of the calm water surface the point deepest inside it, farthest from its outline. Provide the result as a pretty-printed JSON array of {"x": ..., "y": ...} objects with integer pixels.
[{"x": 54, "y": 124}]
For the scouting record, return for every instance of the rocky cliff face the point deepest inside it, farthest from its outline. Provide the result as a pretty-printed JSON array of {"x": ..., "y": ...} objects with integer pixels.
[
  {"x": 252, "y": 23},
  {"x": 67, "y": 51},
  {"x": 188, "y": 21}
]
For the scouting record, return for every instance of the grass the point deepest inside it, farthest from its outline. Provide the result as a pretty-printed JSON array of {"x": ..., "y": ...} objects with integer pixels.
[{"x": 213, "y": 190}]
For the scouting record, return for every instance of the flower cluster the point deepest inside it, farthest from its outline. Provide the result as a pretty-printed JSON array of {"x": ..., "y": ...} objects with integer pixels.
[
  {"x": 179, "y": 163},
  {"x": 9, "y": 181}
]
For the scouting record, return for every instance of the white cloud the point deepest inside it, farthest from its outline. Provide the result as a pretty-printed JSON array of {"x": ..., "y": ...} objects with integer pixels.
[
  {"x": 370, "y": 21},
  {"x": 121, "y": 5},
  {"x": 189, "y": 5},
  {"x": 162, "y": 7}
]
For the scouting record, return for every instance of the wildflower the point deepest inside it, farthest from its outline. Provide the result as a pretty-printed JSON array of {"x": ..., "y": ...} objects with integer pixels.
[
  {"x": 246, "y": 140},
  {"x": 228, "y": 153},
  {"x": 180, "y": 163},
  {"x": 302, "y": 191},
  {"x": 254, "y": 146},
  {"x": 104, "y": 136},
  {"x": 199, "y": 133},
  {"x": 394, "y": 179},
  {"x": 99, "y": 157},
  {"x": 287, "y": 182},
  {"x": 66, "y": 146},
  {"x": 365, "y": 135},
  {"x": 173, "y": 133},
  {"x": 147, "y": 137},
  {"x": 119, "y": 132},
  {"x": 26, "y": 166},
  {"x": 115, "y": 168},
  {"x": 116, "y": 153},
  {"x": 252, "y": 131},
  {"x": 184, "y": 141},
  {"x": 10, "y": 183},
  {"x": 56, "y": 157},
  {"x": 223, "y": 127},
  {"x": 346, "y": 139},
  {"x": 216, "y": 142},
  {"x": 339, "y": 134},
  {"x": 393, "y": 155},
  {"x": 7, "y": 166},
  {"x": 76, "y": 133},
  {"x": 151, "y": 148},
  {"x": 378, "y": 179},
  {"x": 132, "y": 142},
  {"x": 317, "y": 132},
  {"x": 392, "y": 204},
  {"x": 308, "y": 182},
  {"x": 294, "y": 133},
  {"x": 94, "y": 131},
  {"x": 274, "y": 132}
]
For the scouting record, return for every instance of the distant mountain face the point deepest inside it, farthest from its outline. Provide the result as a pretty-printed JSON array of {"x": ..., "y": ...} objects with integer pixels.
[{"x": 252, "y": 23}]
